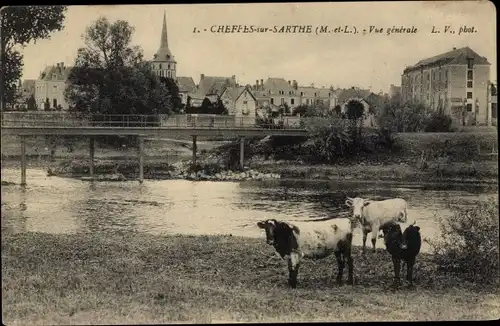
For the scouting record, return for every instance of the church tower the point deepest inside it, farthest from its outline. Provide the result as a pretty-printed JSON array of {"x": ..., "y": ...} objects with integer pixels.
[{"x": 163, "y": 63}]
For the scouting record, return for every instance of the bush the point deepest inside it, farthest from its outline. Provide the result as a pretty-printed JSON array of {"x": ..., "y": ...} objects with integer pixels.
[
  {"x": 408, "y": 118},
  {"x": 469, "y": 242},
  {"x": 438, "y": 122}
]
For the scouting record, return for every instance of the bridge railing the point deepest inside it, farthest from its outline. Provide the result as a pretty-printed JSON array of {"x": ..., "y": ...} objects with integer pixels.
[{"x": 188, "y": 121}]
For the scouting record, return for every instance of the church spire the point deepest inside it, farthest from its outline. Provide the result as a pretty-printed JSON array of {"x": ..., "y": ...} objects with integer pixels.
[{"x": 164, "y": 39}]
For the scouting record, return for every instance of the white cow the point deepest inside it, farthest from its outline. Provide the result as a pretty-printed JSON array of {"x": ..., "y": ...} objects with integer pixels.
[
  {"x": 312, "y": 240},
  {"x": 375, "y": 215}
]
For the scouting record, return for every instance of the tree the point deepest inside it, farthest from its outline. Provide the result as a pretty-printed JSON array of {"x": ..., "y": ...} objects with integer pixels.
[
  {"x": 109, "y": 76},
  {"x": 219, "y": 108},
  {"x": 46, "y": 105},
  {"x": 20, "y": 26},
  {"x": 206, "y": 106},
  {"x": 354, "y": 109},
  {"x": 173, "y": 89},
  {"x": 31, "y": 103},
  {"x": 337, "y": 109}
]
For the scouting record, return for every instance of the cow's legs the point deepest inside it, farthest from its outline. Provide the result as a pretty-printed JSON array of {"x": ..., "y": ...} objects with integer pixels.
[
  {"x": 365, "y": 235},
  {"x": 409, "y": 271},
  {"x": 341, "y": 264},
  {"x": 293, "y": 269},
  {"x": 348, "y": 255},
  {"x": 397, "y": 268},
  {"x": 375, "y": 231}
]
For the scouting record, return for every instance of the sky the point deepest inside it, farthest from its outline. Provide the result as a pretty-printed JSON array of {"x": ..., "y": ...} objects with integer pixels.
[{"x": 371, "y": 60}]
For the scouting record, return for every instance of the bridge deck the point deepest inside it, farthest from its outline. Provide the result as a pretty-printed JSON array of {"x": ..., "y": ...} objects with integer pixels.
[{"x": 53, "y": 123}]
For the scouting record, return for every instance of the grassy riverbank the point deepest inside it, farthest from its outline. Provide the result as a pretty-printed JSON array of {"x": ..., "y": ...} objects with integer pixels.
[{"x": 137, "y": 278}]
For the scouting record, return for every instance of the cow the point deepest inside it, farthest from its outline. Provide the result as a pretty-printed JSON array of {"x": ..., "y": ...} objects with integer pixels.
[
  {"x": 374, "y": 215},
  {"x": 311, "y": 240},
  {"x": 402, "y": 246}
]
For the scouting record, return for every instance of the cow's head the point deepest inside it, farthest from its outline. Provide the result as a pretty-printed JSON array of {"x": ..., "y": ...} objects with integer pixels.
[
  {"x": 270, "y": 227},
  {"x": 357, "y": 204},
  {"x": 277, "y": 232},
  {"x": 393, "y": 235}
]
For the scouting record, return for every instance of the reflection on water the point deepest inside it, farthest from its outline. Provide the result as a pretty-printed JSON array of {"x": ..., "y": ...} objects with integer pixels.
[{"x": 58, "y": 205}]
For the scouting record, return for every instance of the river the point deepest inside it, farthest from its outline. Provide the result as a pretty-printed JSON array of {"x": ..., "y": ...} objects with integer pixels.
[{"x": 65, "y": 206}]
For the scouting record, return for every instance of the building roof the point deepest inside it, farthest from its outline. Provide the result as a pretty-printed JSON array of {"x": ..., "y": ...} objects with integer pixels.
[
  {"x": 186, "y": 84},
  {"x": 352, "y": 92},
  {"x": 28, "y": 85},
  {"x": 246, "y": 89},
  {"x": 233, "y": 92},
  {"x": 215, "y": 85},
  {"x": 375, "y": 100},
  {"x": 163, "y": 53},
  {"x": 455, "y": 56},
  {"x": 277, "y": 84},
  {"x": 59, "y": 71}
]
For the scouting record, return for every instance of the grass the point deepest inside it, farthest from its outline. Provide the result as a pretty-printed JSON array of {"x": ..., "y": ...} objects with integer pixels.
[{"x": 139, "y": 278}]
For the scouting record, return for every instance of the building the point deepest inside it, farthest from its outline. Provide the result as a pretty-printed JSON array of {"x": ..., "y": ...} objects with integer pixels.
[
  {"x": 25, "y": 90},
  {"x": 240, "y": 102},
  {"x": 163, "y": 63},
  {"x": 186, "y": 86},
  {"x": 395, "y": 94},
  {"x": 50, "y": 86},
  {"x": 278, "y": 91},
  {"x": 455, "y": 81}
]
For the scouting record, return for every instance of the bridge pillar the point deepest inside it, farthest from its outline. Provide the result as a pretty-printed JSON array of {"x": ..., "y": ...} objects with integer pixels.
[
  {"x": 92, "y": 152},
  {"x": 242, "y": 152},
  {"x": 141, "y": 158},
  {"x": 194, "y": 151},
  {"x": 23, "y": 160}
]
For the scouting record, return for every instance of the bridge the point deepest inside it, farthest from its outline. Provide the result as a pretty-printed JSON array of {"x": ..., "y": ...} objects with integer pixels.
[{"x": 25, "y": 124}]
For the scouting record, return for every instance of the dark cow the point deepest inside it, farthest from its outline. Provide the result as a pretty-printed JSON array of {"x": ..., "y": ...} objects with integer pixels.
[
  {"x": 402, "y": 246},
  {"x": 312, "y": 240}
]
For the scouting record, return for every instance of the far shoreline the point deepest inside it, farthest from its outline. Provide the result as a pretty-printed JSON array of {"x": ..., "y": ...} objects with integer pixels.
[{"x": 286, "y": 172}]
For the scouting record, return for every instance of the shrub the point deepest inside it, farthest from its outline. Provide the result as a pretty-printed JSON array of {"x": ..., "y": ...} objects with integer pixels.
[
  {"x": 438, "y": 122},
  {"x": 468, "y": 244},
  {"x": 407, "y": 118}
]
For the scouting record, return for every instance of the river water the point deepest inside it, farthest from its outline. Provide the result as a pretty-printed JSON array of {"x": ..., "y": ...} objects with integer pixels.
[{"x": 60, "y": 205}]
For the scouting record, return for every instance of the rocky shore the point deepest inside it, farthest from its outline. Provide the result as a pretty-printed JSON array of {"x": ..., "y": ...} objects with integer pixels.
[{"x": 111, "y": 171}]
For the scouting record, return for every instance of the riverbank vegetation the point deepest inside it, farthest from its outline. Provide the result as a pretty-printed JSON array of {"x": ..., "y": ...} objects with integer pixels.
[
  {"x": 468, "y": 245},
  {"x": 140, "y": 278}
]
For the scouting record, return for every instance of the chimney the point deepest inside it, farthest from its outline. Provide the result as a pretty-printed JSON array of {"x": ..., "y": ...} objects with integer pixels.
[
  {"x": 257, "y": 84},
  {"x": 262, "y": 83},
  {"x": 57, "y": 65},
  {"x": 294, "y": 84},
  {"x": 202, "y": 76},
  {"x": 233, "y": 77},
  {"x": 289, "y": 83},
  {"x": 62, "y": 65}
]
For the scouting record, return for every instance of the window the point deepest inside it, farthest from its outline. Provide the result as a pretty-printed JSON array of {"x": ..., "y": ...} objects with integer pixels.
[
  {"x": 307, "y": 101},
  {"x": 469, "y": 74},
  {"x": 292, "y": 101},
  {"x": 160, "y": 66},
  {"x": 290, "y": 93},
  {"x": 301, "y": 93},
  {"x": 282, "y": 101},
  {"x": 469, "y": 94},
  {"x": 469, "y": 107},
  {"x": 272, "y": 100},
  {"x": 245, "y": 102},
  {"x": 469, "y": 83},
  {"x": 54, "y": 103},
  {"x": 470, "y": 63},
  {"x": 315, "y": 94}
]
